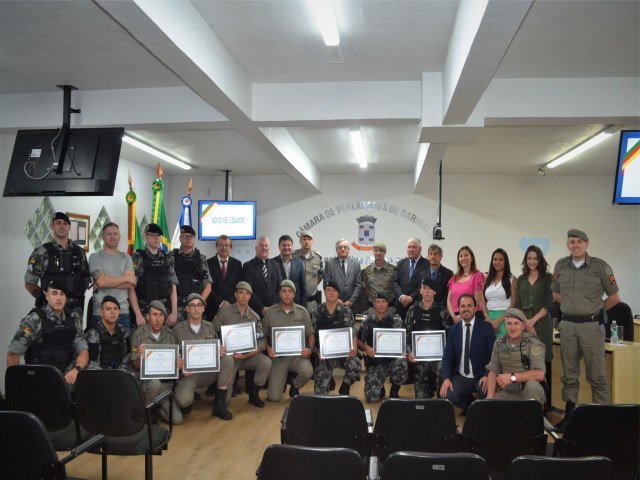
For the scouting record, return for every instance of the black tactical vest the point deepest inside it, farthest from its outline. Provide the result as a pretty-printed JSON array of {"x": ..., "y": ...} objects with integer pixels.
[
  {"x": 112, "y": 348},
  {"x": 426, "y": 319},
  {"x": 65, "y": 264},
  {"x": 325, "y": 321},
  {"x": 56, "y": 347},
  {"x": 155, "y": 283},
  {"x": 189, "y": 273}
]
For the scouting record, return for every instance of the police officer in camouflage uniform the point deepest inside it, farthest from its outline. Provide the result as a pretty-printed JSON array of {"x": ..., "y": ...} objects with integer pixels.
[
  {"x": 329, "y": 315},
  {"x": 380, "y": 368},
  {"x": 108, "y": 340},
  {"x": 156, "y": 277},
  {"x": 378, "y": 277},
  {"x": 51, "y": 335},
  {"x": 516, "y": 369},
  {"x": 191, "y": 269},
  {"x": 237, "y": 313},
  {"x": 313, "y": 268},
  {"x": 579, "y": 283},
  {"x": 425, "y": 315},
  {"x": 59, "y": 259}
]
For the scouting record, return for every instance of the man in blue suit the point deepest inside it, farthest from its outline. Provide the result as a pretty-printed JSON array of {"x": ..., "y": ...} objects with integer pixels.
[
  {"x": 292, "y": 268},
  {"x": 466, "y": 355}
]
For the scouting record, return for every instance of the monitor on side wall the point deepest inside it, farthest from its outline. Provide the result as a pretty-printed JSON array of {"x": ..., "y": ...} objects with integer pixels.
[
  {"x": 237, "y": 220},
  {"x": 627, "y": 187},
  {"x": 89, "y": 168}
]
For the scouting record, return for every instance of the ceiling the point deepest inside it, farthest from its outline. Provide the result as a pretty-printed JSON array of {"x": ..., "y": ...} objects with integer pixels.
[{"x": 487, "y": 86}]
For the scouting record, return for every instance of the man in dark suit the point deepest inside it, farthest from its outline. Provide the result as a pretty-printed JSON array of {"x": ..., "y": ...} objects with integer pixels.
[
  {"x": 438, "y": 273},
  {"x": 466, "y": 355},
  {"x": 225, "y": 272},
  {"x": 406, "y": 281},
  {"x": 263, "y": 274},
  {"x": 292, "y": 269},
  {"x": 344, "y": 271}
]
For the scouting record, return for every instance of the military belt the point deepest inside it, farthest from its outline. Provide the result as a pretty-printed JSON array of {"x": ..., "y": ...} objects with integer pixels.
[{"x": 596, "y": 317}]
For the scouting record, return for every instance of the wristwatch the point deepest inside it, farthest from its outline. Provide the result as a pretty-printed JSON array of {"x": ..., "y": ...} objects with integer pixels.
[
  {"x": 78, "y": 368},
  {"x": 513, "y": 378}
]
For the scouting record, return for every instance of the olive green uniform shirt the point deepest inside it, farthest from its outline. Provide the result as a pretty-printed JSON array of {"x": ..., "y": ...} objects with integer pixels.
[
  {"x": 312, "y": 269},
  {"x": 277, "y": 317},
  {"x": 231, "y": 315},
  {"x": 378, "y": 280}
]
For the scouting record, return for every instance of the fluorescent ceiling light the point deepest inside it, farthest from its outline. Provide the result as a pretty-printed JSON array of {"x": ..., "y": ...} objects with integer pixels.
[
  {"x": 325, "y": 16},
  {"x": 358, "y": 147},
  {"x": 155, "y": 153},
  {"x": 592, "y": 142}
]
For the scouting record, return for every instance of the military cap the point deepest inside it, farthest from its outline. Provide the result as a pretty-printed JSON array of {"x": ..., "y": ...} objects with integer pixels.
[
  {"x": 244, "y": 286},
  {"x": 382, "y": 296},
  {"x": 516, "y": 313},
  {"x": 61, "y": 216},
  {"x": 306, "y": 233},
  {"x": 57, "y": 284},
  {"x": 427, "y": 281},
  {"x": 109, "y": 298},
  {"x": 331, "y": 284},
  {"x": 194, "y": 296},
  {"x": 574, "y": 232},
  {"x": 158, "y": 305},
  {"x": 380, "y": 246},
  {"x": 153, "y": 228},
  {"x": 288, "y": 283},
  {"x": 187, "y": 229}
]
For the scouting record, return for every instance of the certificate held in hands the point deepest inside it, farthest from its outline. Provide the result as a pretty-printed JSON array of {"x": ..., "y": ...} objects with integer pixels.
[
  {"x": 335, "y": 342},
  {"x": 159, "y": 362},
  {"x": 389, "y": 342},
  {"x": 201, "y": 355},
  {"x": 287, "y": 341},
  {"x": 428, "y": 346},
  {"x": 239, "y": 338}
]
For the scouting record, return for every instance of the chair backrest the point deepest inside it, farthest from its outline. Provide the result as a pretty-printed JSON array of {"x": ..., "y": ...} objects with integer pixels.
[
  {"x": 612, "y": 431},
  {"x": 417, "y": 425},
  {"x": 110, "y": 402},
  {"x": 41, "y": 390},
  {"x": 621, "y": 313},
  {"x": 26, "y": 452},
  {"x": 500, "y": 430},
  {"x": 440, "y": 466},
  {"x": 535, "y": 467},
  {"x": 293, "y": 462},
  {"x": 326, "y": 421}
]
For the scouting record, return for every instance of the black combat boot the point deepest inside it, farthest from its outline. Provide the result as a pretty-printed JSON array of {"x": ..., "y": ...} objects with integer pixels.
[
  {"x": 394, "y": 392},
  {"x": 344, "y": 388},
  {"x": 220, "y": 405},
  {"x": 254, "y": 397},
  {"x": 562, "y": 425}
]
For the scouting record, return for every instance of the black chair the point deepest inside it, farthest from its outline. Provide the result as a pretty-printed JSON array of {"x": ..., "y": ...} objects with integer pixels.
[
  {"x": 326, "y": 421},
  {"x": 25, "y": 385},
  {"x": 428, "y": 466},
  {"x": 416, "y": 425},
  {"x": 533, "y": 467},
  {"x": 612, "y": 431},
  {"x": 293, "y": 462},
  {"x": 621, "y": 313},
  {"x": 26, "y": 451},
  {"x": 501, "y": 430},
  {"x": 111, "y": 403}
]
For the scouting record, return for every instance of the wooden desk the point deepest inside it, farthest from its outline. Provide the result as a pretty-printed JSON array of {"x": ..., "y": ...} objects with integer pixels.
[{"x": 622, "y": 368}]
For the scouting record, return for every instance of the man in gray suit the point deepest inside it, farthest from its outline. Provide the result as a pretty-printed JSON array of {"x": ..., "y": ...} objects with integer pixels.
[{"x": 345, "y": 272}]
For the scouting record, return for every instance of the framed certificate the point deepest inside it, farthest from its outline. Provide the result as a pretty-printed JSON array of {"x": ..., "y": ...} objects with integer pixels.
[
  {"x": 287, "y": 341},
  {"x": 390, "y": 342},
  {"x": 201, "y": 355},
  {"x": 335, "y": 342},
  {"x": 239, "y": 338},
  {"x": 428, "y": 346},
  {"x": 159, "y": 362}
]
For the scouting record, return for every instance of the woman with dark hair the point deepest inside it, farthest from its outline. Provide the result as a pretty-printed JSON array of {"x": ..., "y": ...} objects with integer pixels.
[
  {"x": 466, "y": 280},
  {"x": 533, "y": 297},
  {"x": 498, "y": 290}
]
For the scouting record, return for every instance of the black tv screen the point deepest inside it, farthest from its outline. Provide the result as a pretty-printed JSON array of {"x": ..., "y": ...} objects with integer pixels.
[{"x": 89, "y": 166}]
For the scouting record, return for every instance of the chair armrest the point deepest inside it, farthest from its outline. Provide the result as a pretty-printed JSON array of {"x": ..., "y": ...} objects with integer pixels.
[
  {"x": 284, "y": 437},
  {"x": 92, "y": 442},
  {"x": 374, "y": 468},
  {"x": 159, "y": 399},
  {"x": 369, "y": 417}
]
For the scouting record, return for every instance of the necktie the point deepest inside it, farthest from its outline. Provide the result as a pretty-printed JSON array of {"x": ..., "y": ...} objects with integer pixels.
[
  {"x": 467, "y": 340},
  {"x": 264, "y": 269},
  {"x": 223, "y": 269},
  {"x": 412, "y": 266},
  {"x": 344, "y": 267},
  {"x": 433, "y": 274}
]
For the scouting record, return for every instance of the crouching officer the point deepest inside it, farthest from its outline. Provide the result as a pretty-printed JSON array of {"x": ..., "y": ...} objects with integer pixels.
[
  {"x": 516, "y": 369},
  {"x": 51, "y": 336},
  {"x": 108, "y": 340}
]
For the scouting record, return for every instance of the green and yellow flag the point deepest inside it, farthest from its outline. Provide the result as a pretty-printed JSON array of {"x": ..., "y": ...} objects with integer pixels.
[
  {"x": 134, "y": 237},
  {"x": 158, "y": 215}
]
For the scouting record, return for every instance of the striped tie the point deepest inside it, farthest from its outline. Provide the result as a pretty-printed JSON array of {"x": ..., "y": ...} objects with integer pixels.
[{"x": 264, "y": 269}]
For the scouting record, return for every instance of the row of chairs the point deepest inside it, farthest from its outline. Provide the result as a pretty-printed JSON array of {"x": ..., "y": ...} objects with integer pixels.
[
  {"x": 497, "y": 431},
  {"x": 108, "y": 417},
  {"x": 346, "y": 464}
]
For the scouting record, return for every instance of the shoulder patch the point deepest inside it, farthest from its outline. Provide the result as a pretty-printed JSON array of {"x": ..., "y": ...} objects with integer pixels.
[
  {"x": 612, "y": 278},
  {"x": 27, "y": 330},
  {"x": 536, "y": 351}
]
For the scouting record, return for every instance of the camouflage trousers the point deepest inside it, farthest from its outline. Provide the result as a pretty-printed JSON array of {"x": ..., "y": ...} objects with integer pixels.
[
  {"x": 425, "y": 375},
  {"x": 395, "y": 368},
  {"x": 323, "y": 373}
]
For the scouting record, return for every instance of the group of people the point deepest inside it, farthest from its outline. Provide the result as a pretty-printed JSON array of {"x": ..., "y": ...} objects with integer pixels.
[{"x": 499, "y": 330}]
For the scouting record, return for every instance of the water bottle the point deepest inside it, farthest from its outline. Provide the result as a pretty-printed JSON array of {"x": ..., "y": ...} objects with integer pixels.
[{"x": 614, "y": 333}]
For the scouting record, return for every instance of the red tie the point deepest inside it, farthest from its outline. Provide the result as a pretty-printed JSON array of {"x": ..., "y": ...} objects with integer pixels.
[{"x": 223, "y": 269}]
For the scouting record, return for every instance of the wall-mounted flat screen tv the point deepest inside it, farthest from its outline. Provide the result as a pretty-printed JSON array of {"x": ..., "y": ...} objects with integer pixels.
[
  {"x": 237, "y": 220},
  {"x": 627, "y": 189},
  {"x": 89, "y": 166}
]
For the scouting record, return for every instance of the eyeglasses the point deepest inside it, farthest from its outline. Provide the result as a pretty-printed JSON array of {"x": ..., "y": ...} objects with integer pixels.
[{"x": 196, "y": 305}]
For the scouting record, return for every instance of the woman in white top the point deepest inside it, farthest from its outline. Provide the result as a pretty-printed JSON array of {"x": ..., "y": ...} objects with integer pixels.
[{"x": 498, "y": 290}]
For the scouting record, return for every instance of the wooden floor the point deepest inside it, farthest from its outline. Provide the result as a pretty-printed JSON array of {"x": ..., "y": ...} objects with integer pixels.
[{"x": 205, "y": 447}]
